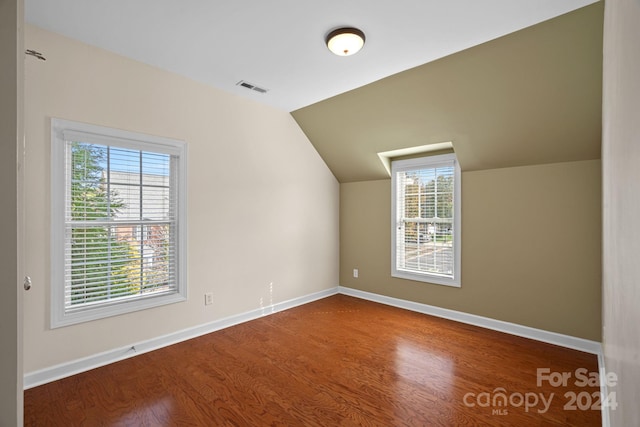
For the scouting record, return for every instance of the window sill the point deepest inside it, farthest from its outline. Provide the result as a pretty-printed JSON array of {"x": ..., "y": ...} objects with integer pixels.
[
  {"x": 427, "y": 278},
  {"x": 59, "y": 319}
]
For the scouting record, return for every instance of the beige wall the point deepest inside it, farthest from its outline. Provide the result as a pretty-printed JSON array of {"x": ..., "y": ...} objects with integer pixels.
[
  {"x": 621, "y": 202},
  {"x": 11, "y": 134},
  {"x": 530, "y": 246},
  {"x": 263, "y": 206}
]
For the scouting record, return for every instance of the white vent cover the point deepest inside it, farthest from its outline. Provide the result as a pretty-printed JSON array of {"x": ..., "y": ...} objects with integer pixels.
[{"x": 251, "y": 86}]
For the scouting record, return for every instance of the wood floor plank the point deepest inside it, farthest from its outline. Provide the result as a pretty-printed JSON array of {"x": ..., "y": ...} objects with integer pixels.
[{"x": 339, "y": 361}]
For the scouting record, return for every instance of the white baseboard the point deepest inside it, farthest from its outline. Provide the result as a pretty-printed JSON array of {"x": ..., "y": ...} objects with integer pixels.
[
  {"x": 604, "y": 390},
  {"x": 36, "y": 378},
  {"x": 43, "y": 376},
  {"x": 568, "y": 341}
]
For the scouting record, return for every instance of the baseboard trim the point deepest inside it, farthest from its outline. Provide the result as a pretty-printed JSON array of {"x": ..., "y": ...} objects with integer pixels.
[
  {"x": 604, "y": 390},
  {"x": 568, "y": 341},
  {"x": 43, "y": 376}
]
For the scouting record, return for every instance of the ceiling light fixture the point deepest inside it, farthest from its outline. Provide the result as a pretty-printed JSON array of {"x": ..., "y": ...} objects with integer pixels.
[{"x": 345, "y": 41}]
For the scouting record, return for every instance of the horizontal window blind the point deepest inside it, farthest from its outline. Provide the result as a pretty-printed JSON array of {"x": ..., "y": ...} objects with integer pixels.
[
  {"x": 425, "y": 218},
  {"x": 121, "y": 219}
]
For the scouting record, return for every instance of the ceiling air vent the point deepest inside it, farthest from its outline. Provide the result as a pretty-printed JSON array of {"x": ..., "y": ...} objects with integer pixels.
[{"x": 252, "y": 86}]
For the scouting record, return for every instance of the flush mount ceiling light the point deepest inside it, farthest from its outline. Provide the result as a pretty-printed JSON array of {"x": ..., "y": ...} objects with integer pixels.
[{"x": 345, "y": 41}]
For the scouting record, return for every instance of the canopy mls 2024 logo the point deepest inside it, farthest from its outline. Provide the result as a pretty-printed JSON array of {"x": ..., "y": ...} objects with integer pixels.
[{"x": 499, "y": 401}]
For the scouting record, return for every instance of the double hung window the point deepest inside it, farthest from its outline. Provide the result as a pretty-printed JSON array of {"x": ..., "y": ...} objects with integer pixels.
[
  {"x": 426, "y": 219},
  {"x": 118, "y": 222}
]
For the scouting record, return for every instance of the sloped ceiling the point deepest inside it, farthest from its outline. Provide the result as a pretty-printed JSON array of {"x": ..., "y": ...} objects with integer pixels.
[
  {"x": 531, "y": 97},
  {"x": 279, "y": 44}
]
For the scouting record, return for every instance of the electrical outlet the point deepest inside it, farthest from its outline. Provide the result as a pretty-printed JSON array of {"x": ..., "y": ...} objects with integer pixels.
[
  {"x": 355, "y": 273},
  {"x": 208, "y": 298}
]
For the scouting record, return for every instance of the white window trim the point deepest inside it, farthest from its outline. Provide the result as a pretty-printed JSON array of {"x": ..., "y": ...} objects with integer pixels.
[
  {"x": 125, "y": 139},
  {"x": 421, "y": 163}
]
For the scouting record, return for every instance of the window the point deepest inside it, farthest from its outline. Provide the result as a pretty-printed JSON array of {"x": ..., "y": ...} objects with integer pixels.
[
  {"x": 118, "y": 222},
  {"x": 426, "y": 219}
]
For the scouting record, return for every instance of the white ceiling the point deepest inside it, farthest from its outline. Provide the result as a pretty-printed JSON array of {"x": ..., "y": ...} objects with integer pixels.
[{"x": 279, "y": 44}]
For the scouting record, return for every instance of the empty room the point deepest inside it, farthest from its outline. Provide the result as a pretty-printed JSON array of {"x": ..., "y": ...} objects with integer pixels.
[{"x": 285, "y": 213}]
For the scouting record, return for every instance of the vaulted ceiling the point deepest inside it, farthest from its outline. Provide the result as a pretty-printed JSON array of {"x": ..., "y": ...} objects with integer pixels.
[
  {"x": 530, "y": 97},
  {"x": 506, "y": 82}
]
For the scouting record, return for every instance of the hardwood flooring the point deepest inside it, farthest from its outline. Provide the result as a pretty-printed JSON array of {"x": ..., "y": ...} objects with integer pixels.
[{"x": 340, "y": 361}]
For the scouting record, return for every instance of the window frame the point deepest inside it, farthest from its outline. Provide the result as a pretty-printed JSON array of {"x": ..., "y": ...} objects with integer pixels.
[
  {"x": 123, "y": 139},
  {"x": 428, "y": 162}
]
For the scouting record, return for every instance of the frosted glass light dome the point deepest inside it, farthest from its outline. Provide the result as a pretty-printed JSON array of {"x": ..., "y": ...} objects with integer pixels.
[{"x": 345, "y": 41}]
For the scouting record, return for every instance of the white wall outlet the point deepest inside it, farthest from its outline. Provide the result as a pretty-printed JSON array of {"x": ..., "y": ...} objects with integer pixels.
[
  {"x": 208, "y": 298},
  {"x": 355, "y": 273}
]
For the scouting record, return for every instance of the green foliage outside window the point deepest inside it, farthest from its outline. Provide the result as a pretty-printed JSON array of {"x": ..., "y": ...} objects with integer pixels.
[{"x": 101, "y": 265}]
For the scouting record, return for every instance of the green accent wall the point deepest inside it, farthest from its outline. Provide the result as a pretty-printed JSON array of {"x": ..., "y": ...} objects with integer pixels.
[
  {"x": 531, "y": 97},
  {"x": 531, "y": 239}
]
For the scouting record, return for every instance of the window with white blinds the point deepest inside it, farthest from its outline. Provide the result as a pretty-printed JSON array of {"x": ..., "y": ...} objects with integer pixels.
[
  {"x": 118, "y": 205},
  {"x": 426, "y": 219}
]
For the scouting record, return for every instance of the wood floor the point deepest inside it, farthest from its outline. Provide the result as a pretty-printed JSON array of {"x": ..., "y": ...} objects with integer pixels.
[{"x": 340, "y": 361}]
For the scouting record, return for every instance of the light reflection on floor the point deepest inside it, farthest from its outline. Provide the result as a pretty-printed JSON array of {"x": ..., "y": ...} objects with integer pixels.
[
  {"x": 418, "y": 365},
  {"x": 161, "y": 409}
]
